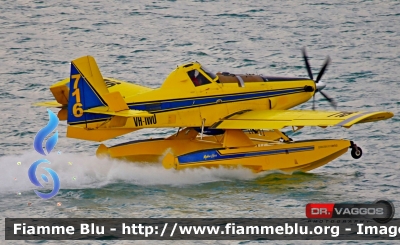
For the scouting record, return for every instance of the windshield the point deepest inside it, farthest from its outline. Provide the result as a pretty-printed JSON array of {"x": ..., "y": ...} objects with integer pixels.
[
  {"x": 209, "y": 73},
  {"x": 197, "y": 78}
]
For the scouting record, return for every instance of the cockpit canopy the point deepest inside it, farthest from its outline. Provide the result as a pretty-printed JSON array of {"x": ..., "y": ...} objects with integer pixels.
[
  {"x": 194, "y": 74},
  {"x": 189, "y": 75},
  {"x": 200, "y": 75}
]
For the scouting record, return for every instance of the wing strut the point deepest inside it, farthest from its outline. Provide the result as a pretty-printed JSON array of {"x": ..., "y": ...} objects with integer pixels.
[{"x": 203, "y": 121}]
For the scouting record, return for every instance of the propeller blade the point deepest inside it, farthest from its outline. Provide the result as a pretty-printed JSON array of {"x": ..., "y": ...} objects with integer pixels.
[
  {"x": 331, "y": 101},
  {"x": 321, "y": 73},
  {"x": 307, "y": 64}
]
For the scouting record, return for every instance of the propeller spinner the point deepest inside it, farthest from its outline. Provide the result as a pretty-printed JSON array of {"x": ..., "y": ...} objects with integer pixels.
[{"x": 319, "y": 84}]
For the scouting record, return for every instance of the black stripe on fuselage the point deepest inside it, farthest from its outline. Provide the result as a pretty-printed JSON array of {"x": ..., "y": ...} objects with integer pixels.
[
  {"x": 211, "y": 96},
  {"x": 201, "y": 101},
  {"x": 90, "y": 121},
  {"x": 284, "y": 79}
]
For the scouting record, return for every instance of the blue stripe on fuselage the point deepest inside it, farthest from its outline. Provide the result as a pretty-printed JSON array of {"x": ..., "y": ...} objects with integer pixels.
[
  {"x": 159, "y": 106},
  {"x": 214, "y": 155}
]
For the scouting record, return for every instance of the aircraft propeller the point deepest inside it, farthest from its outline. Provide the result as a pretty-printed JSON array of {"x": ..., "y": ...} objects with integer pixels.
[{"x": 319, "y": 85}]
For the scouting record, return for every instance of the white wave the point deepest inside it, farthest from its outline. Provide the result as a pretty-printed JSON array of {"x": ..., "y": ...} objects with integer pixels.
[{"x": 78, "y": 171}]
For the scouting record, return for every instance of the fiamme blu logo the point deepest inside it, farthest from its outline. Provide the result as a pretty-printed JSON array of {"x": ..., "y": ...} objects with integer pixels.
[{"x": 50, "y": 144}]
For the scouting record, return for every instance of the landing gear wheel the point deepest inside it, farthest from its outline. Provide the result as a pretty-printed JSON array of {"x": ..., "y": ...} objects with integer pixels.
[{"x": 356, "y": 152}]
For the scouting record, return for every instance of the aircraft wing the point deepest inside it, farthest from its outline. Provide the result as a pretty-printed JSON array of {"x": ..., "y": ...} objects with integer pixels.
[
  {"x": 277, "y": 119},
  {"x": 52, "y": 103}
]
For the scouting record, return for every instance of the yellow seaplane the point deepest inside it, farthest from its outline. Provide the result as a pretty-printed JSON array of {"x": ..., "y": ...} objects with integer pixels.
[{"x": 223, "y": 119}]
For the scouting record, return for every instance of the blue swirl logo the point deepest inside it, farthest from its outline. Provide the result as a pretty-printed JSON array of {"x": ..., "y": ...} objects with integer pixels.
[
  {"x": 35, "y": 181},
  {"x": 50, "y": 144},
  {"x": 52, "y": 141}
]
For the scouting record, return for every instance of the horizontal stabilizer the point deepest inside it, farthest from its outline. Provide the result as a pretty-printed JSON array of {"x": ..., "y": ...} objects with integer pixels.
[
  {"x": 277, "y": 119},
  {"x": 115, "y": 101},
  {"x": 49, "y": 104},
  {"x": 60, "y": 91}
]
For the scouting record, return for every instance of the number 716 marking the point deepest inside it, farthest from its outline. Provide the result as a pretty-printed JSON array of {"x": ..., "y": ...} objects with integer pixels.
[{"x": 77, "y": 109}]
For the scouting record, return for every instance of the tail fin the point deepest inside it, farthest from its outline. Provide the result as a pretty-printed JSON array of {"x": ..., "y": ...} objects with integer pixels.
[
  {"x": 88, "y": 101},
  {"x": 86, "y": 90}
]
